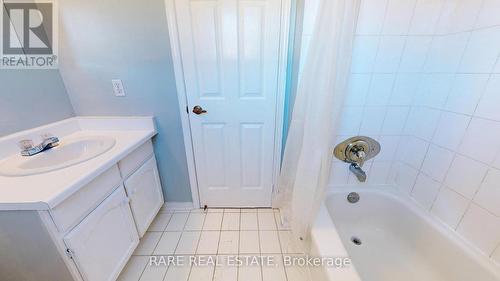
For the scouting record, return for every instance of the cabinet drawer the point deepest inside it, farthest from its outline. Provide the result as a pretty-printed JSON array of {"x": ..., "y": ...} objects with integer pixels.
[
  {"x": 72, "y": 210},
  {"x": 134, "y": 160}
]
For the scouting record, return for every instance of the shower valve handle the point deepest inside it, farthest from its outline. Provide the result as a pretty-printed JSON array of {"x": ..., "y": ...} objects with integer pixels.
[{"x": 361, "y": 155}]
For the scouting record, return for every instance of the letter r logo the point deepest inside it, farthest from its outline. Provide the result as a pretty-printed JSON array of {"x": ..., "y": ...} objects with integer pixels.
[{"x": 27, "y": 28}]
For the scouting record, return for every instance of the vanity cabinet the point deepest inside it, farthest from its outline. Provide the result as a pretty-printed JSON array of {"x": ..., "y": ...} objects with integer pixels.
[
  {"x": 81, "y": 222},
  {"x": 102, "y": 243},
  {"x": 144, "y": 190}
]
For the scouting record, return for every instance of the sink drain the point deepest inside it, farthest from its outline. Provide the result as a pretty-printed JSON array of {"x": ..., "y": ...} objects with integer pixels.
[{"x": 356, "y": 240}]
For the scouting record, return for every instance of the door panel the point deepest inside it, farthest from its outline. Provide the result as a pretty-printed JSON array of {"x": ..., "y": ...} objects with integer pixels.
[
  {"x": 214, "y": 155},
  {"x": 205, "y": 34},
  {"x": 230, "y": 55},
  {"x": 251, "y": 28},
  {"x": 251, "y": 155}
]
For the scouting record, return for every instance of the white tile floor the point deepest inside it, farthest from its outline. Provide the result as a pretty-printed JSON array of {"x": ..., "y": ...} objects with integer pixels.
[{"x": 222, "y": 233}]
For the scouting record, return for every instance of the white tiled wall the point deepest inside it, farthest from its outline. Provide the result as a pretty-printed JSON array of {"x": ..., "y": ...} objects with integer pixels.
[{"x": 425, "y": 82}]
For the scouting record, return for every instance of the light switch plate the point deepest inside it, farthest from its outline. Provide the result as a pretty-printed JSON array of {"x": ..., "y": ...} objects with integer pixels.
[{"x": 118, "y": 87}]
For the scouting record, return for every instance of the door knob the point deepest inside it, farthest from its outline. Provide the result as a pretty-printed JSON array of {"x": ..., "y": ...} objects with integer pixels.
[{"x": 198, "y": 110}]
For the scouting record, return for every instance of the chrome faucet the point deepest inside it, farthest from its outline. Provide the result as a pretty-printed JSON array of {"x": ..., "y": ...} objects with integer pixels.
[
  {"x": 358, "y": 172},
  {"x": 356, "y": 151},
  {"x": 357, "y": 158},
  {"x": 28, "y": 149}
]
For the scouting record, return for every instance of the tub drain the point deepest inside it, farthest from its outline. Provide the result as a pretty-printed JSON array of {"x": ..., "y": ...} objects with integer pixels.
[
  {"x": 353, "y": 197},
  {"x": 356, "y": 240}
]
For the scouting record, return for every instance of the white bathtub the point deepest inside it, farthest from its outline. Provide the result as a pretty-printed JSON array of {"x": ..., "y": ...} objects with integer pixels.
[{"x": 400, "y": 242}]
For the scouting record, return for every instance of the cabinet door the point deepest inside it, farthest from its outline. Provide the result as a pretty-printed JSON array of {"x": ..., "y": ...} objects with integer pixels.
[
  {"x": 146, "y": 198},
  {"x": 103, "y": 242}
]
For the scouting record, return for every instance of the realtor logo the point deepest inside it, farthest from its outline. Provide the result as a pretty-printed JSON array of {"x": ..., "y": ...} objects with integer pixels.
[{"x": 28, "y": 29}]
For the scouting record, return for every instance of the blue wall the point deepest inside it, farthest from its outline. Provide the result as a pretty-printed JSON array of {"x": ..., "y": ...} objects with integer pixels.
[
  {"x": 293, "y": 65},
  {"x": 128, "y": 40},
  {"x": 30, "y": 98}
]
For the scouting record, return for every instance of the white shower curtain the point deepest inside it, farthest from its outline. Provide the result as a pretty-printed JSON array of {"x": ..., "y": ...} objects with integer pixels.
[{"x": 320, "y": 94}]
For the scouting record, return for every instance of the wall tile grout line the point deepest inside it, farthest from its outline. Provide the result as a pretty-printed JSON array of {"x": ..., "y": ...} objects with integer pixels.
[{"x": 441, "y": 90}]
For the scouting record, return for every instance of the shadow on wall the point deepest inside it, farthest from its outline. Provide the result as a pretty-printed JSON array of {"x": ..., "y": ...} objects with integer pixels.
[{"x": 118, "y": 39}]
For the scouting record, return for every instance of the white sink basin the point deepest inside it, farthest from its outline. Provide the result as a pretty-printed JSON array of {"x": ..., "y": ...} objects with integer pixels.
[{"x": 70, "y": 152}]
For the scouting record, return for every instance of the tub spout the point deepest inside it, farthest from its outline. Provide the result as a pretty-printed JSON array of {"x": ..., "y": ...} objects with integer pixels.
[{"x": 358, "y": 172}]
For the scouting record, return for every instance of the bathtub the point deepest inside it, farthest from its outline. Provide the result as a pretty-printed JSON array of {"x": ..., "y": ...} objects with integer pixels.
[{"x": 389, "y": 238}]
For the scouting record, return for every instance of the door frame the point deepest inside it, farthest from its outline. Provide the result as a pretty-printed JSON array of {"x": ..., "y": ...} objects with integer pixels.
[{"x": 182, "y": 96}]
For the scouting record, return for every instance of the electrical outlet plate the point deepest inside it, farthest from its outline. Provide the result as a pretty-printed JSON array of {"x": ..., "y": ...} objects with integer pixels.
[{"x": 118, "y": 87}]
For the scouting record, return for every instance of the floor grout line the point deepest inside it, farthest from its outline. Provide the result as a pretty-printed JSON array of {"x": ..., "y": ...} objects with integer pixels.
[
  {"x": 260, "y": 251},
  {"x": 257, "y": 230}
]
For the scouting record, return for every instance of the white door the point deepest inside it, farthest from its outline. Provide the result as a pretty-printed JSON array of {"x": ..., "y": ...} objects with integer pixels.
[
  {"x": 230, "y": 57},
  {"x": 104, "y": 241},
  {"x": 146, "y": 198}
]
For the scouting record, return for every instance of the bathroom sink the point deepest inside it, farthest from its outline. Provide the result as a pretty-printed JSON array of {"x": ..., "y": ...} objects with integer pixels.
[{"x": 71, "y": 151}]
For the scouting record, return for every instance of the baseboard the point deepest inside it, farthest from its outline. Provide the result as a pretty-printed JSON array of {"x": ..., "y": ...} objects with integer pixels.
[{"x": 178, "y": 206}]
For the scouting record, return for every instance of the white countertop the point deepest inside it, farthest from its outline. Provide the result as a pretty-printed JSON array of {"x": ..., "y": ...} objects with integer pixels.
[{"x": 44, "y": 191}]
